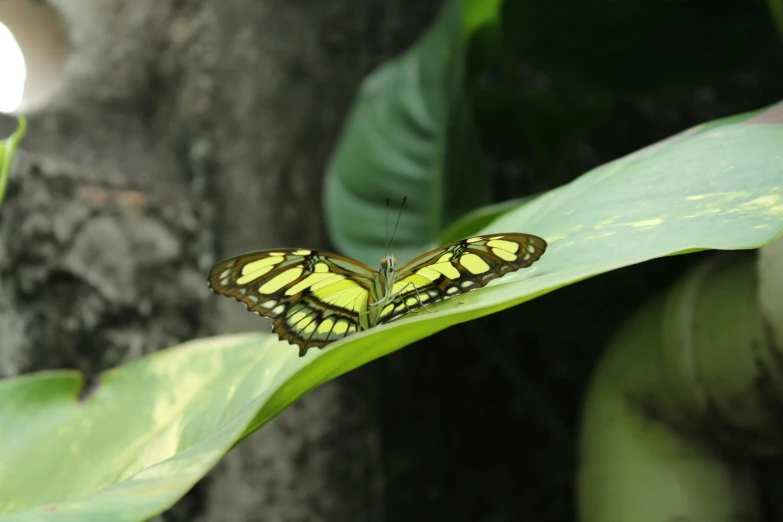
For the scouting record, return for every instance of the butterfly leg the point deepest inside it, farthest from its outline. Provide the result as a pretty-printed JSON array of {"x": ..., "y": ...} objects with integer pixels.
[
  {"x": 393, "y": 296},
  {"x": 418, "y": 297}
]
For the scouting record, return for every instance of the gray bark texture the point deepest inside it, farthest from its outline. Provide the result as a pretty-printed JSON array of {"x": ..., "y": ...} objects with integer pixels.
[{"x": 186, "y": 131}]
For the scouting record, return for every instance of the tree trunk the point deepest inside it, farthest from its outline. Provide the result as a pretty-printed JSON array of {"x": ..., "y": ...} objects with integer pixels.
[{"x": 184, "y": 132}]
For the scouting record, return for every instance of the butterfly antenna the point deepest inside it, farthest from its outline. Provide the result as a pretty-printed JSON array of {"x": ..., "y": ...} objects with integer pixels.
[
  {"x": 387, "y": 225},
  {"x": 398, "y": 219}
]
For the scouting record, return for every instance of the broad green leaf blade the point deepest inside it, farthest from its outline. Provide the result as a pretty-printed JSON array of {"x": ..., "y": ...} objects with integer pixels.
[
  {"x": 719, "y": 185},
  {"x": 410, "y": 133},
  {"x": 7, "y": 149},
  {"x": 140, "y": 440},
  {"x": 715, "y": 186}
]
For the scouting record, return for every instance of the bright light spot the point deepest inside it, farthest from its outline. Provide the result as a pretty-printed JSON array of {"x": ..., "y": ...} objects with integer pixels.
[{"x": 12, "y": 71}]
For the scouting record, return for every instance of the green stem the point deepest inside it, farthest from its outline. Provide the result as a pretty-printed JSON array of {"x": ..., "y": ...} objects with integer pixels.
[{"x": 7, "y": 154}]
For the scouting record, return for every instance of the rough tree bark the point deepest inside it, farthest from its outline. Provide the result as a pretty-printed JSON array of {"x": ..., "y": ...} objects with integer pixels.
[{"x": 186, "y": 131}]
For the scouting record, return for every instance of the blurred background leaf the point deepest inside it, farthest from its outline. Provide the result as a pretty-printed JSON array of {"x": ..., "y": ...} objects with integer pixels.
[{"x": 410, "y": 133}]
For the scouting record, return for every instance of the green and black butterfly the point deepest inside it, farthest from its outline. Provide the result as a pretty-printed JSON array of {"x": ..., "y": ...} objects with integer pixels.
[{"x": 316, "y": 298}]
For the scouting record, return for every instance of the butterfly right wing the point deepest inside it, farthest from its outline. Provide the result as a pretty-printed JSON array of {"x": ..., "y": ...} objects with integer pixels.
[
  {"x": 460, "y": 267},
  {"x": 314, "y": 298}
]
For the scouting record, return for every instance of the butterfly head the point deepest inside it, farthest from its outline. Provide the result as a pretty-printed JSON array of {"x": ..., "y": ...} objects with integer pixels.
[{"x": 388, "y": 264}]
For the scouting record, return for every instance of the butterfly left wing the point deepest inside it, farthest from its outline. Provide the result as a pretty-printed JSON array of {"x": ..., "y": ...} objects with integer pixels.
[
  {"x": 458, "y": 268},
  {"x": 314, "y": 298}
]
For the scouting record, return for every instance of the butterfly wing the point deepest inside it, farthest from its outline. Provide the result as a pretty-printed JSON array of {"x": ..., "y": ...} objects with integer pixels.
[
  {"x": 314, "y": 298},
  {"x": 458, "y": 268}
]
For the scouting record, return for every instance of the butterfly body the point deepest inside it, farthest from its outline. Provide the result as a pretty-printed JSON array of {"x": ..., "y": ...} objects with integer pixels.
[
  {"x": 316, "y": 298},
  {"x": 380, "y": 293}
]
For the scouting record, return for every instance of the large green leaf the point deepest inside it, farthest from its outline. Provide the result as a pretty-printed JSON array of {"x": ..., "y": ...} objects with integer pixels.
[
  {"x": 153, "y": 427},
  {"x": 7, "y": 149},
  {"x": 410, "y": 133},
  {"x": 140, "y": 440}
]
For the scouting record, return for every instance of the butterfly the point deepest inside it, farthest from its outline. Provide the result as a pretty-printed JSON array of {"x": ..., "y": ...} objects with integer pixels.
[{"x": 316, "y": 298}]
